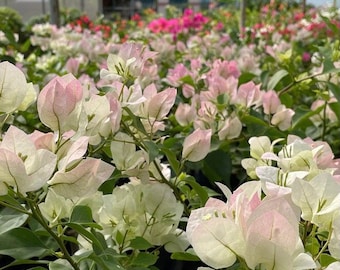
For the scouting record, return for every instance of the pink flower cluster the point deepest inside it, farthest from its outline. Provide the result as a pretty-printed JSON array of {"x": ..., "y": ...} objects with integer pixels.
[{"x": 189, "y": 21}]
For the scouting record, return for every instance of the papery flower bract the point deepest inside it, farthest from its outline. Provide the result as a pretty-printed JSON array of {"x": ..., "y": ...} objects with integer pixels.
[
  {"x": 231, "y": 129},
  {"x": 83, "y": 180},
  {"x": 270, "y": 102},
  {"x": 131, "y": 97},
  {"x": 282, "y": 117},
  {"x": 250, "y": 165},
  {"x": 261, "y": 152},
  {"x": 15, "y": 92},
  {"x": 217, "y": 230},
  {"x": 22, "y": 165},
  {"x": 259, "y": 232},
  {"x": 60, "y": 103},
  {"x": 115, "y": 113},
  {"x": 197, "y": 145},
  {"x": 104, "y": 114},
  {"x": 318, "y": 199},
  {"x": 175, "y": 74},
  {"x": 119, "y": 210},
  {"x": 72, "y": 65},
  {"x": 43, "y": 140},
  {"x": 216, "y": 239},
  {"x": 322, "y": 153},
  {"x": 277, "y": 176},
  {"x": 30, "y": 97},
  {"x": 127, "y": 64},
  {"x": 327, "y": 113},
  {"x": 243, "y": 201},
  {"x": 185, "y": 114},
  {"x": 98, "y": 112},
  {"x": 55, "y": 207},
  {"x": 259, "y": 146},
  {"x": 273, "y": 235},
  {"x": 333, "y": 266},
  {"x": 161, "y": 103},
  {"x": 248, "y": 95},
  {"x": 148, "y": 210},
  {"x": 175, "y": 242},
  {"x": 124, "y": 153},
  {"x": 162, "y": 209},
  {"x": 72, "y": 152},
  {"x": 333, "y": 247}
]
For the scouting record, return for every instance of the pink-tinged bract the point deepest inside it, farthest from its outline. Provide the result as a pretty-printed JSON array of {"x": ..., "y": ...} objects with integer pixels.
[
  {"x": 59, "y": 103},
  {"x": 197, "y": 145}
]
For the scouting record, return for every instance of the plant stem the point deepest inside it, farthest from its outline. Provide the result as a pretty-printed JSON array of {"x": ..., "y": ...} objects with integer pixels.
[
  {"x": 173, "y": 187},
  {"x": 324, "y": 120},
  {"x": 326, "y": 244},
  {"x": 15, "y": 208},
  {"x": 38, "y": 217},
  {"x": 289, "y": 86}
]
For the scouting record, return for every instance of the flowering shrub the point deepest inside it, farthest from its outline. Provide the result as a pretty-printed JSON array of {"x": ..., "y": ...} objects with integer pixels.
[
  {"x": 114, "y": 153},
  {"x": 84, "y": 22},
  {"x": 189, "y": 21}
]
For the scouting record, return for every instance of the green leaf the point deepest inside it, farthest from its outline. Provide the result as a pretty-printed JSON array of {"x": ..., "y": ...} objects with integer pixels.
[
  {"x": 326, "y": 260},
  {"x": 328, "y": 65},
  {"x": 323, "y": 235},
  {"x": 87, "y": 235},
  {"x": 137, "y": 123},
  {"x": 10, "y": 219},
  {"x": 184, "y": 256},
  {"x": 335, "y": 106},
  {"x": 245, "y": 77},
  {"x": 26, "y": 263},
  {"x": 331, "y": 25},
  {"x": 277, "y": 77},
  {"x": 26, "y": 45},
  {"x": 140, "y": 243},
  {"x": 8, "y": 199},
  {"x": 21, "y": 243},
  {"x": 101, "y": 239},
  {"x": 10, "y": 36},
  {"x": 188, "y": 80},
  {"x": 250, "y": 119},
  {"x": 287, "y": 99},
  {"x": 201, "y": 192},
  {"x": 145, "y": 259},
  {"x": 312, "y": 245},
  {"x": 60, "y": 264},
  {"x": 119, "y": 238},
  {"x": 82, "y": 214},
  {"x": 171, "y": 156},
  {"x": 335, "y": 89},
  {"x": 301, "y": 118},
  {"x": 152, "y": 149},
  {"x": 106, "y": 261},
  {"x": 217, "y": 166}
]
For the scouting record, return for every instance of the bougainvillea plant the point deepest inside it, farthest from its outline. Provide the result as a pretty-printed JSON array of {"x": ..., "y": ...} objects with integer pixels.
[{"x": 220, "y": 150}]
